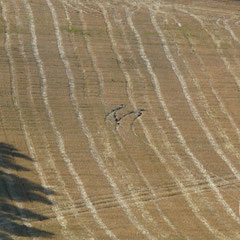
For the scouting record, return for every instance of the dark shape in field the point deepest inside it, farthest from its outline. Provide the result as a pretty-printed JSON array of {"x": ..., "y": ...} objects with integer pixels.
[
  {"x": 117, "y": 120},
  {"x": 114, "y": 111},
  {"x": 7, "y": 155},
  {"x": 18, "y": 189}
]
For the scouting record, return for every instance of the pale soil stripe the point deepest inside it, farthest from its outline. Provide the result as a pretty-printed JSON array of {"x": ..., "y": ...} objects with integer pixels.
[
  {"x": 228, "y": 144},
  {"x": 57, "y": 133},
  {"x": 84, "y": 6},
  {"x": 228, "y": 183},
  {"x": 107, "y": 203},
  {"x": 109, "y": 152},
  {"x": 223, "y": 108},
  {"x": 110, "y": 202},
  {"x": 95, "y": 153},
  {"x": 217, "y": 43},
  {"x": 221, "y": 104},
  {"x": 198, "y": 119},
  {"x": 163, "y": 134},
  {"x": 70, "y": 5},
  {"x": 66, "y": 3},
  {"x": 168, "y": 191},
  {"x": 128, "y": 79},
  {"x": 229, "y": 29},
  {"x": 107, "y": 143},
  {"x": 215, "y": 92},
  {"x": 236, "y": 39},
  {"x": 60, "y": 179},
  {"x": 59, "y": 215},
  {"x": 60, "y": 141},
  {"x": 180, "y": 137},
  {"x": 237, "y": 23},
  {"x": 145, "y": 213},
  {"x": 26, "y": 132},
  {"x": 51, "y": 160},
  {"x": 93, "y": 57},
  {"x": 200, "y": 122},
  {"x": 203, "y": 97},
  {"x": 130, "y": 181},
  {"x": 7, "y": 46},
  {"x": 166, "y": 142},
  {"x": 156, "y": 151}
]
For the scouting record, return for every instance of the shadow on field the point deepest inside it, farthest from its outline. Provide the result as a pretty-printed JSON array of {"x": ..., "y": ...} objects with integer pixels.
[{"x": 15, "y": 190}]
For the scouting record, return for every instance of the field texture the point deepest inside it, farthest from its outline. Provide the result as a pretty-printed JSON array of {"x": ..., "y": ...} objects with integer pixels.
[{"x": 119, "y": 120}]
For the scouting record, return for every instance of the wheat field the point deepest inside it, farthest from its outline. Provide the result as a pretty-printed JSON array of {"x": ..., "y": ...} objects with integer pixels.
[{"x": 119, "y": 119}]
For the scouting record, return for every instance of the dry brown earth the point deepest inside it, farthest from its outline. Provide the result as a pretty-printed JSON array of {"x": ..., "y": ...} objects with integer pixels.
[{"x": 119, "y": 119}]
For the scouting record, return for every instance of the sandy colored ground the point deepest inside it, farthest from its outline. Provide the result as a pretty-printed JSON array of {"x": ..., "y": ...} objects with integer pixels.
[{"x": 119, "y": 119}]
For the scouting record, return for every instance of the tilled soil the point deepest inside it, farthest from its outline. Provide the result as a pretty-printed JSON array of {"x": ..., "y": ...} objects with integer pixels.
[{"x": 119, "y": 119}]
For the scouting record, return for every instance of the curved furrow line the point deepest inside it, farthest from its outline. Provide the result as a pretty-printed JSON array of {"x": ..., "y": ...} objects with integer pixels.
[
  {"x": 93, "y": 60},
  {"x": 110, "y": 153},
  {"x": 61, "y": 183},
  {"x": 120, "y": 60},
  {"x": 26, "y": 133},
  {"x": 100, "y": 77},
  {"x": 147, "y": 99},
  {"x": 230, "y": 147},
  {"x": 166, "y": 142},
  {"x": 58, "y": 135},
  {"x": 76, "y": 8},
  {"x": 221, "y": 131},
  {"x": 147, "y": 217},
  {"x": 146, "y": 197},
  {"x": 227, "y": 182},
  {"x": 233, "y": 123},
  {"x": 228, "y": 67},
  {"x": 200, "y": 121},
  {"x": 94, "y": 151},
  {"x": 83, "y": 210},
  {"x": 129, "y": 90},
  {"x": 210, "y": 80},
  {"x": 233, "y": 35},
  {"x": 186, "y": 171},
  {"x": 181, "y": 186},
  {"x": 50, "y": 158},
  {"x": 165, "y": 191},
  {"x": 223, "y": 109},
  {"x": 229, "y": 29},
  {"x": 237, "y": 23},
  {"x": 181, "y": 140},
  {"x": 139, "y": 204},
  {"x": 203, "y": 97},
  {"x": 217, "y": 44},
  {"x": 85, "y": 6},
  {"x": 72, "y": 202},
  {"x": 66, "y": 3},
  {"x": 7, "y": 46}
]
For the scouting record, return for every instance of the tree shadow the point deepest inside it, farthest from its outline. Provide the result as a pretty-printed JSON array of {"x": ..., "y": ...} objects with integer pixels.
[{"x": 14, "y": 220}]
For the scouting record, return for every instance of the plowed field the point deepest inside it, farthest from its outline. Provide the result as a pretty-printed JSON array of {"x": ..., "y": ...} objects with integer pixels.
[{"x": 119, "y": 119}]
